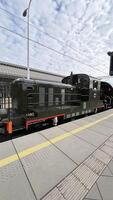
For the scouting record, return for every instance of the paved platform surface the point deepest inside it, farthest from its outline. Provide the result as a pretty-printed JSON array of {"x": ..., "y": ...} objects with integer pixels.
[
  {"x": 103, "y": 188},
  {"x": 73, "y": 161}
]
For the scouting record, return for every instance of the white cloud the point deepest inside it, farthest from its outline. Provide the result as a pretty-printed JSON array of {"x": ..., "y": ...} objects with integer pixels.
[{"x": 83, "y": 31}]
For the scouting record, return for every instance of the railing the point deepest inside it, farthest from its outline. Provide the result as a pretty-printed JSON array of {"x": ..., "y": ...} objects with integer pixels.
[{"x": 69, "y": 99}]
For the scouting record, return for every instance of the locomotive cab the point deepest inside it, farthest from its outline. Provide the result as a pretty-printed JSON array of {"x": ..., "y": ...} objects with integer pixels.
[
  {"x": 89, "y": 89},
  {"x": 81, "y": 83}
]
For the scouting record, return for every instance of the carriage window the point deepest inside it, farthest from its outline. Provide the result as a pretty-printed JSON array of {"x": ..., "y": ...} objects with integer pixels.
[
  {"x": 57, "y": 101},
  {"x": 63, "y": 96},
  {"x": 95, "y": 84},
  {"x": 50, "y": 97},
  {"x": 41, "y": 96}
]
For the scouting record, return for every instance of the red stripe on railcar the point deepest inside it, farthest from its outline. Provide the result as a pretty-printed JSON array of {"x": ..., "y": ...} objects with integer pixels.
[{"x": 32, "y": 121}]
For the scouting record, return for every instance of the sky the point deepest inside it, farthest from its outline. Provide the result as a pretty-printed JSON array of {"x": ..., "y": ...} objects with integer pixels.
[{"x": 65, "y": 35}]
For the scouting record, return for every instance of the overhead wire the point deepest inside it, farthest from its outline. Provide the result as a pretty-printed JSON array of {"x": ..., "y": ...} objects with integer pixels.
[
  {"x": 49, "y": 35},
  {"x": 50, "y": 48}
]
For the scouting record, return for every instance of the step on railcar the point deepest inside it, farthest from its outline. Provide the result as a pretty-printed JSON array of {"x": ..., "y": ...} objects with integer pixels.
[{"x": 28, "y": 103}]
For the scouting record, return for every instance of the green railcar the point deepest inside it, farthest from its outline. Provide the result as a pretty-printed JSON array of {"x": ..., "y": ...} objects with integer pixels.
[{"x": 33, "y": 102}]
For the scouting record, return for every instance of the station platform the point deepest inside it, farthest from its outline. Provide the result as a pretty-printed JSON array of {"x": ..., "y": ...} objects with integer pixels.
[{"x": 73, "y": 161}]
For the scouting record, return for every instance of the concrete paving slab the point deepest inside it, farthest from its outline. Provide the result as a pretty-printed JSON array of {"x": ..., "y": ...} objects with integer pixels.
[
  {"x": 52, "y": 132},
  {"x": 6, "y": 149},
  {"x": 86, "y": 176},
  {"x": 111, "y": 138},
  {"x": 94, "y": 193},
  {"x": 92, "y": 118},
  {"x": 13, "y": 181},
  {"x": 46, "y": 168},
  {"x": 107, "y": 149},
  {"x": 105, "y": 185},
  {"x": 14, "y": 184},
  {"x": 107, "y": 124},
  {"x": 96, "y": 116},
  {"x": 102, "y": 130},
  {"x": 96, "y": 165},
  {"x": 109, "y": 143},
  {"x": 110, "y": 120},
  {"x": 111, "y": 166},
  {"x": 75, "y": 148},
  {"x": 102, "y": 156},
  {"x": 92, "y": 137},
  {"x": 109, "y": 111},
  {"x": 81, "y": 122},
  {"x": 107, "y": 172},
  {"x": 100, "y": 114},
  {"x": 68, "y": 126},
  {"x": 28, "y": 141},
  {"x": 106, "y": 112},
  {"x": 54, "y": 195},
  {"x": 90, "y": 199},
  {"x": 72, "y": 189}
]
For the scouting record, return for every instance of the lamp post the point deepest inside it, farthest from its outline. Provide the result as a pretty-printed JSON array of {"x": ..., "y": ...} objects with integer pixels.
[
  {"x": 110, "y": 53},
  {"x": 26, "y": 13}
]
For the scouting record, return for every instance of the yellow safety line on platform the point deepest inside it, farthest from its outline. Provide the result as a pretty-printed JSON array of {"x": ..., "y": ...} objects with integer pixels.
[{"x": 43, "y": 145}]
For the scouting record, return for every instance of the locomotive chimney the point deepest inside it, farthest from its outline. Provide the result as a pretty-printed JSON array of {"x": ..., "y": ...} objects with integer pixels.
[{"x": 111, "y": 63}]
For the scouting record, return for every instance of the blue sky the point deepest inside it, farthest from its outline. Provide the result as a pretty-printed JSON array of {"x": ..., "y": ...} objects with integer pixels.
[{"x": 80, "y": 32}]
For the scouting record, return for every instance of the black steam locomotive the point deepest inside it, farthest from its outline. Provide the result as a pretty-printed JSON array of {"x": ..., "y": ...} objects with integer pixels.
[{"x": 28, "y": 102}]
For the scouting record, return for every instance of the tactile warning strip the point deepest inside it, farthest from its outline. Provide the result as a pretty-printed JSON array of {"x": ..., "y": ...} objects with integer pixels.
[
  {"x": 111, "y": 138},
  {"x": 109, "y": 143},
  {"x": 77, "y": 184},
  {"x": 85, "y": 175},
  {"x": 95, "y": 164},
  {"x": 104, "y": 157},
  {"x": 72, "y": 189},
  {"x": 54, "y": 195},
  {"x": 107, "y": 149}
]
